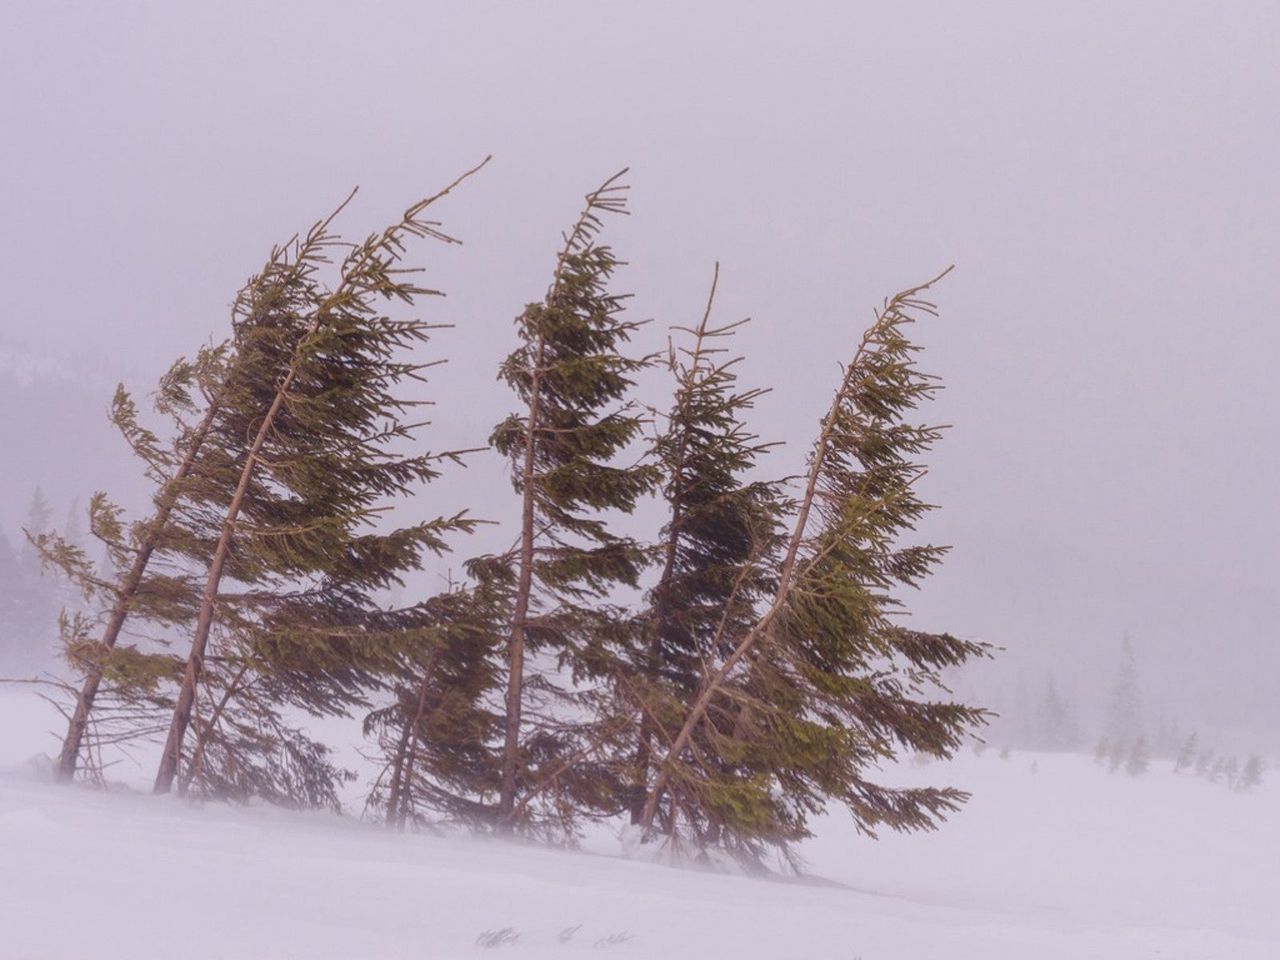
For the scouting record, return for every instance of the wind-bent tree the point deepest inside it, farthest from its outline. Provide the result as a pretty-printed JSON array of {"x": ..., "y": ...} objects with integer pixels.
[
  {"x": 572, "y": 381},
  {"x": 191, "y": 395},
  {"x": 824, "y": 682},
  {"x": 717, "y": 546},
  {"x": 300, "y": 459}
]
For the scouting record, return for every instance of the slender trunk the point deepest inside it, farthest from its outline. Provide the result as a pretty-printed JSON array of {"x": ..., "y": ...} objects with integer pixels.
[
  {"x": 202, "y": 740},
  {"x": 520, "y": 614},
  {"x": 406, "y": 780},
  {"x": 397, "y": 768},
  {"x": 524, "y": 586},
  {"x": 172, "y": 756},
  {"x": 71, "y": 743}
]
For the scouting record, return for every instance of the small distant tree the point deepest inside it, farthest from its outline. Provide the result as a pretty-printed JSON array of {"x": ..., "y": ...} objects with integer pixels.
[
  {"x": 1186, "y": 754},
  {"x": 1101, "y": 750},
  {"x": 1138, "y": 760},
  {"x": 39, "y": 520},
  {"x": 1231, "y": 772},
  {"x": 1124, "y": 711},
  {"x": 11, "y": 606},
  {"x": 38, "y": 591},
  {"x": 1204, "y": 763},
  {"x": 1056, "y": 724},
  {"x": 1116, "y": 755},
  {"x": 1251, "y": 776}
]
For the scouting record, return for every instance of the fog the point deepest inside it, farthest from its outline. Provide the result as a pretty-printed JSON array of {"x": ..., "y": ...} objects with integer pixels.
[{"x": 1102, "y": 175}]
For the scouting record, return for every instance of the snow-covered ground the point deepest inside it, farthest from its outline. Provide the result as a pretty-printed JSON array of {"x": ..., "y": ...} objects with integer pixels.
[{"x": 1060, "y": 861}]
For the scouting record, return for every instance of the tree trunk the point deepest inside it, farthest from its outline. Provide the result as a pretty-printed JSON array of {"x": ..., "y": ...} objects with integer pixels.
[
  {"x": 172, "y": 756},
  {"x": 520, "y": 614},
  {"x": 524, "y": 587},
  {"x": 406, "y": 786},
  {"x": 202, "y": 739},
  {"x": 71, "y": 743},
  {"x": 397, "y": 768}
]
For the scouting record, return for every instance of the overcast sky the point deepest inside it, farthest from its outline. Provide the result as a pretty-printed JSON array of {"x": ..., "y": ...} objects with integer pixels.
[{"x": 1103, "y": 176}]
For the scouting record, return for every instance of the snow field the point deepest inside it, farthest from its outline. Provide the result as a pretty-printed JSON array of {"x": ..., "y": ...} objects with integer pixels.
[{"x": 1064, "y": 863}]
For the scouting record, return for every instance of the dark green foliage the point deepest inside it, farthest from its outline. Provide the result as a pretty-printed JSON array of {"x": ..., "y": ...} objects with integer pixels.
[
  {"x": 243, "y": 747},
  {"x": 718, "y": 548},
  {"x": 306, "y": 550},
  {"x": 438, "y": 734},
  {"x": 826, "y": 683},
  {"x": 762, "y": 675},
  {"x": 304, "y": 454}
]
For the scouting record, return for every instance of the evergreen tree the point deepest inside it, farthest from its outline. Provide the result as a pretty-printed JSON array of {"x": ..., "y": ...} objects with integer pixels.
[
  {"x": 301, "y": 460},
  {"x": 1251, "y": 776},
  {"x": 10, "y": 604},
  {"x": 1204, "y": 763},
  {"x": 177, "y": 534},
  {"x": 823, "y": 683},
  {"x": 1124, "y": 711},
  {"x": 720, "y": 538},
  {"x": 38, "y": 590},
  {"x": 1102, "y": 750},
  {"x": 70, "y": 596},
  {"x": 1056, "y": 721},
  {"x": 1231, "y": 772},
  {"x": 1138, "y": 761},
  {"x": 1118, "y": 752},
  {"x": 1186, "y": 754},
  {"x": 572, "y": 381}
]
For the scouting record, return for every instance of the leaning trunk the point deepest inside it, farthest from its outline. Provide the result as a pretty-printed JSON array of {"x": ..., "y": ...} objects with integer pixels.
[
  {"x": 71, "y": 743},
  {"x": 172, "y": 756},
  {"x": 397, "y": 771}
]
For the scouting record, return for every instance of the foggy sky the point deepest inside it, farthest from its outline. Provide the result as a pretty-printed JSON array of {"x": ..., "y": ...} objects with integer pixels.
[{"x": 1102, "y": 175}]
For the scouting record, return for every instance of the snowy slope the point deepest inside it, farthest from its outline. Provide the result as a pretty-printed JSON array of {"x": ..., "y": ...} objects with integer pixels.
[{"x": 1064, "y": 862}]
